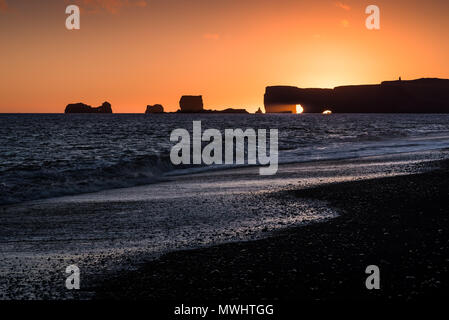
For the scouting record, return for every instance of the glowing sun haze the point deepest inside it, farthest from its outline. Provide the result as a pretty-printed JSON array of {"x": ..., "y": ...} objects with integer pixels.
[{"x": 138, "y": 52}]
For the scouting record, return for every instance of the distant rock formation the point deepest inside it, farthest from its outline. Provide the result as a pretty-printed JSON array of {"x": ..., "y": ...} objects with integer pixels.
[
  {"x": 194, "y": 104},
  {"x": 191, "y": 104},
  {"x": 157, "y": 108},
  {"x": 231, "y": 110},
  {"x": 84, "y": 108},
  {"x": 259, "y": 111},
  {"x": 228, "y": 110},
  {"x": 427, "y": 95}
]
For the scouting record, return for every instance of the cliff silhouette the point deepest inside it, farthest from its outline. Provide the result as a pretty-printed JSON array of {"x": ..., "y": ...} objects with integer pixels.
[
  {"x": 84, "y": 108},
  {"x": 426, "y": 95}
]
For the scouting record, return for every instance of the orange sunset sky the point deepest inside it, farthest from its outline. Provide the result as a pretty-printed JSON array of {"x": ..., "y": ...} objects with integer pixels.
[{"x": 138, "y": 52}]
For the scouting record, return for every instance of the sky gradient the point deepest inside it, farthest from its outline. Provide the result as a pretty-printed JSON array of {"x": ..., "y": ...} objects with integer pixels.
[{"x": 138, "y": 52}]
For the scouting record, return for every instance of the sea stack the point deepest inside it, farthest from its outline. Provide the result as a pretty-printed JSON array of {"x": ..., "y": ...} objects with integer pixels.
[
  {"x": 84, "y": 108},
  {"x": 191, "y": 104},
  {"x": 157, "y": 108}
]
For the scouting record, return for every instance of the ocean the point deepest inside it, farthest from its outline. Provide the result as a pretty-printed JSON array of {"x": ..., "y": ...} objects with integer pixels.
[{"x": 51, "y": 155}]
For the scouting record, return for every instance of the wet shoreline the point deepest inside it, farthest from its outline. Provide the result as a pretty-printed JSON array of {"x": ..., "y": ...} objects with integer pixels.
[
  {"x": 115, "y": 231},
  {"x": 397, "y": 223}
]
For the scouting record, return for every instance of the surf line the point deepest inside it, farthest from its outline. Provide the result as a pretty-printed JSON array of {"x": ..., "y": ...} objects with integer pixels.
[{"x": 189, "y": 149}]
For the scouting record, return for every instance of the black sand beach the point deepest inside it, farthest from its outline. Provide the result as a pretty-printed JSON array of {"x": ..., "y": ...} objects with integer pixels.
[
  {"x": 198, "y": 236},
  {"x": 397, "y": 223}
]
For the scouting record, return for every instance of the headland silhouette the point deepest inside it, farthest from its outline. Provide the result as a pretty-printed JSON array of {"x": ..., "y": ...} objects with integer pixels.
[{"x": 426, "y": 95}]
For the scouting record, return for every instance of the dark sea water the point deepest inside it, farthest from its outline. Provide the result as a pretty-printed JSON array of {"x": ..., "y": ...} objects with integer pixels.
[{"x": 44, "y": 156}]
